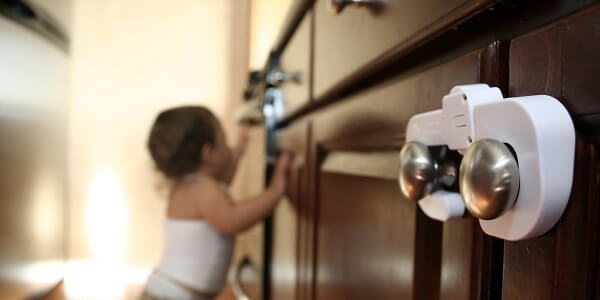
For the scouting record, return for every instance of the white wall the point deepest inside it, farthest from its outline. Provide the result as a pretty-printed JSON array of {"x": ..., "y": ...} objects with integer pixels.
[{"x": 131, "y": 59}]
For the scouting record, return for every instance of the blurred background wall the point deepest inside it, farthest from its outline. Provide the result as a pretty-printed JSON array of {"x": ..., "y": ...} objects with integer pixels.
[
  {"x": 130, "y": 60},
  {"x": 33, "y": 181},
  {"x": 91, "y": 192},
  {"x": 34, "y": 74}
]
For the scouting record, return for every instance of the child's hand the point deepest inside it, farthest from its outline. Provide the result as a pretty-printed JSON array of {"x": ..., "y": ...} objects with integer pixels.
[{"x": 280, "y": 176}]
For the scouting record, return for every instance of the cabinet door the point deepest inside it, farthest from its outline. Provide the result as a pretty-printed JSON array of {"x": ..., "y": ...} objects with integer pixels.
[
  {"x": 289, "y": 218},
  {"x": 371, "y": 242},
  {"x": 562, "y": 60}
]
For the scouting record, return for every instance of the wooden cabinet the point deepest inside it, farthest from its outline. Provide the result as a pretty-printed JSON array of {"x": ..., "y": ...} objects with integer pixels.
[{"x": 346, "y": 231}]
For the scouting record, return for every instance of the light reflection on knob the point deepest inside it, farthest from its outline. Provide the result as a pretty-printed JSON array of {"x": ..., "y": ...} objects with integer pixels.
[
  {"x": 417, "y": 171},
  {"x": 488, "y": 179}
]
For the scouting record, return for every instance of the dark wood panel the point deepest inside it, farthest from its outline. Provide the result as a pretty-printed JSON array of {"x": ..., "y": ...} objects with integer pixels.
[
  {"x": 376, "y": 118},
  {"x": 504, "y": 21},
  {"x": 457, "y": 257},
  {"x": 558, "y": 264},
  {"x": 561, "y": 60},
  {"x": 372, "y": 243},
  {"x": 472, "y": 260}
]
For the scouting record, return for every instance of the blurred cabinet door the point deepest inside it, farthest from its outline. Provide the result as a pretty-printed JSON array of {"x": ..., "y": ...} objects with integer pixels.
[{"x": 289, "y": 218}]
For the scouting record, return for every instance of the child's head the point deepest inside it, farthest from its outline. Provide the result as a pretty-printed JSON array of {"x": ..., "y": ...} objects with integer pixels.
[{"x": 184, "y": 139}]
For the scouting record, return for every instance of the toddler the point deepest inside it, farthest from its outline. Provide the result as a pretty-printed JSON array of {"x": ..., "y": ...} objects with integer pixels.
[{"x": 188, "y": 146}]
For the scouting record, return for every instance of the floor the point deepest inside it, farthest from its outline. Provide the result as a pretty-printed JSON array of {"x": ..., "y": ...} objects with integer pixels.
[{"x": 132, "y": 292}]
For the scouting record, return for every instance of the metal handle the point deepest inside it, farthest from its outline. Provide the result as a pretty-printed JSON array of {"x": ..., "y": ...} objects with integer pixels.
[
  {"x": 489, "y": 179},
  {"x": 338, "y": 5},
  {"x": 278, "y": 77},
  {"x": 236, "y": 284},
  {"x": 421, "y": 173}
]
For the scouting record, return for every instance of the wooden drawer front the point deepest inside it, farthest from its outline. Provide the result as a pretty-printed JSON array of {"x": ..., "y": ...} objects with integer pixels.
[
  {"x": 357, "y": 35},
  {"x": 377, "y": 117},
  {"x": 296, "y": 59}
]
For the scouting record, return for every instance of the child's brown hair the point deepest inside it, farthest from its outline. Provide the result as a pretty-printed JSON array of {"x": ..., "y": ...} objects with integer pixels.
[{"x": 177, "y": 138}]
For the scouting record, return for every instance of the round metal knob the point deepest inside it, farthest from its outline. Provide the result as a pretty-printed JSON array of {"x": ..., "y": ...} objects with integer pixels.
[
  {"x": 417, "y": 171},
  {"x": 488, "y": 179}
]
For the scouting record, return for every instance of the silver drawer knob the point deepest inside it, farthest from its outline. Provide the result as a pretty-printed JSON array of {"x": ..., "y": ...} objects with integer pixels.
[
  {"x": 488, "y": 179},
  {"x": 417, "y": 171}
]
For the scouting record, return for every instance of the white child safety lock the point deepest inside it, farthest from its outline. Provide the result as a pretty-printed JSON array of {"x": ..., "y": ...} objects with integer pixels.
[{"x": 517, "y": 166}]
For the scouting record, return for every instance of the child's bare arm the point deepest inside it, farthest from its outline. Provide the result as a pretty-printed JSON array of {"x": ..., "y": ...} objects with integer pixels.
[{"x": 231, "y": 218}]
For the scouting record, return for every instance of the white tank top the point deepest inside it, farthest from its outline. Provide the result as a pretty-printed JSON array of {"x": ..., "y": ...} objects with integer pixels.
[{"x": 196, "y": 254}]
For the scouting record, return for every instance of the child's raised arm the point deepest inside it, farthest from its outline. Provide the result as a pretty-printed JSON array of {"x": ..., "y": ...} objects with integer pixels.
[{"x": 229, "y": 217}]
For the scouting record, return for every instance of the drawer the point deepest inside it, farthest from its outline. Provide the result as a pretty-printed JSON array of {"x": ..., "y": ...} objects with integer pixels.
[
  {"x": 349, "y": 40},
  {"x": 296, "y": 59}
]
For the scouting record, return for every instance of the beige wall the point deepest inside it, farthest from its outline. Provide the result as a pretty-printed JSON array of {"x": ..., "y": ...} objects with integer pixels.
[
  {"x": 131, "y": 59},
  {"x": 266, "y": 19}
]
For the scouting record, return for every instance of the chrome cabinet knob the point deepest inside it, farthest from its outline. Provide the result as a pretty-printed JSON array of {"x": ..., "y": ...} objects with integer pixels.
[
  {"x": 488, "y": 179},
  {"x": 421, "y": 173},
  {"x": 417, "y": 171}
]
